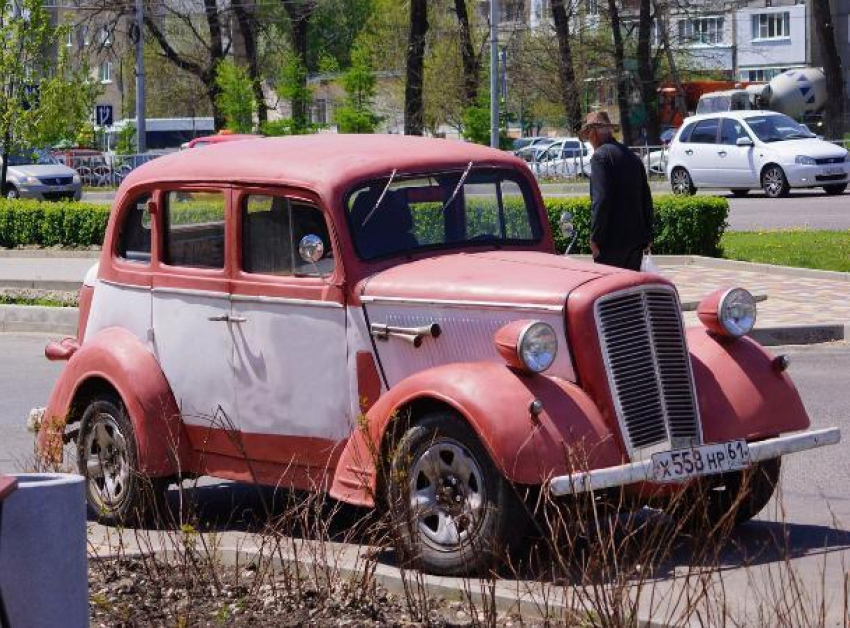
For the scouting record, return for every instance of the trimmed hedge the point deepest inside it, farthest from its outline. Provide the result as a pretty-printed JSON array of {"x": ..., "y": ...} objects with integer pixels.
[
  {"x": 684, "y": 225},
  {"x": 45, "y": 223}
]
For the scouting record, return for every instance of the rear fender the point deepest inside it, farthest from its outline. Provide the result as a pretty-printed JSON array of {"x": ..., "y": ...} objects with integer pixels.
[
  {"x": 115, "y": 358},
  {"x": 569, "y": 432}
]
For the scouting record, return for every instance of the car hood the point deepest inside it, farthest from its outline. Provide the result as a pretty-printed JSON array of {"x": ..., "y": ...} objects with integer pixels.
[
  {"x": 520, "y": 278},
  {"x": 42, "y": 170},
  {"x": 810, "y": 147}
]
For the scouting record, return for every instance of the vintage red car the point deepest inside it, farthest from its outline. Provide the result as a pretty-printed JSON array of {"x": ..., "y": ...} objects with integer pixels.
[{"x": 387, "y": 319}]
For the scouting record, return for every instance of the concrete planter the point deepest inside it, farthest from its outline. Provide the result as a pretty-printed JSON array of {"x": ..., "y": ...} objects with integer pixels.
[{"x": 43, "y": 560}]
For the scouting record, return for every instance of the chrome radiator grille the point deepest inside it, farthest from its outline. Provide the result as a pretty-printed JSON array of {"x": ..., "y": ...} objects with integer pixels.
[{"x": 649, "y": 370}]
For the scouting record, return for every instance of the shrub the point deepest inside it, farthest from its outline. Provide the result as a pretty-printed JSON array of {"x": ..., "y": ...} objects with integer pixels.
[
  {"x": 26, "y": 222},
  {"x": 684, "y": 225}
]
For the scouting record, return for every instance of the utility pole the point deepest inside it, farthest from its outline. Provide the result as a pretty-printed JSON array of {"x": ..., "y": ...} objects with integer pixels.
[
  {"x": 494, "y": 73},
  {"x": 141, "y": 122}
]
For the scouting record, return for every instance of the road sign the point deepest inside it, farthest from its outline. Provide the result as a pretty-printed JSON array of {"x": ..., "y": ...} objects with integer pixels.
[{"x": 103, "y": 115}]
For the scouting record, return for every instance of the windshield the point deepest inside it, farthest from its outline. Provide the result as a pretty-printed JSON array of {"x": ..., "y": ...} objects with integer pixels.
[
  {"x": 28, "y": 158},
  {"x": 442, "y": 210},
  {"x": 777, "y": 128}
]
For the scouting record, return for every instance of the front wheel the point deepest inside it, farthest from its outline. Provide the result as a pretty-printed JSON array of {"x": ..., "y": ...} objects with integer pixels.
[
  {"x": 728, "y": 499},
  {"x": 774, "y": 183},
  {"x": 107, "y": 455},
  {"x": 681, "y": 182},
  {"x": 834, "y": 190},
  {"x": 12, "y": 192},
  {"x": 452, "y": 511}
]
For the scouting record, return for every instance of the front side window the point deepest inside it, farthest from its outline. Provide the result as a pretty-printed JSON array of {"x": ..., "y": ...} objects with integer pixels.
[
  {"x": 777, "y": 128},
  {"x": 134, "y": 237},
  {"x": 731, "y": 131},
  {"x": 442, "y": 210},
  {"x": 272, "y": 229},
  {"x": 194, "y": 229},
  {"x": 705, "y": 132}
]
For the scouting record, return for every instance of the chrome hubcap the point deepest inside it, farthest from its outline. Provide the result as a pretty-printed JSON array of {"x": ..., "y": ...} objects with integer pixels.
[
  {"x": 447, "y": 494},
  {"x": 773, "y": 181},
  {"x": 107, "y": 466},
  {"x": 681, "y": 183}
]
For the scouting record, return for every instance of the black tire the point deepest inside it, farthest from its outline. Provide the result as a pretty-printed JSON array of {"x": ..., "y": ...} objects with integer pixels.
[
  {"x": 681, "y": 182},
  {"x": 107, "y": 455},
  {"x": 729, "y": 499},
  {"x": 460, "y": 496},
  {"x": 774, "y": 182},
  {"x": 12, "y": 191},
  {"x": 740, "y": 193},
  {"x": 835, "y": 190}
]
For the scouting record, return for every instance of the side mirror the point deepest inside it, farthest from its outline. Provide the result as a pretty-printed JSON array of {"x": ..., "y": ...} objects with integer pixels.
[
  {"x": 311, "y": 249},
  {"x": 744, "y": 141}
]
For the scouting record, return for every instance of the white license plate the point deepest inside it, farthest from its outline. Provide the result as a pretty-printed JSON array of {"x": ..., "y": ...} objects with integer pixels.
[
  {"x": 833, "y": 170},
  {"x": 675, "y": 466}
]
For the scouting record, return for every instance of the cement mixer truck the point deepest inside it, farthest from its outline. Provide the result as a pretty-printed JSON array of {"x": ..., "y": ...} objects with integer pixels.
[{"x": 799, "y": 93}]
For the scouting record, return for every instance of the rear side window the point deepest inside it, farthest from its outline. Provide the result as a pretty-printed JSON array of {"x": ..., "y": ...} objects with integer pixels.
[
  {"x": 194, "y": 229},
  {"x": 134, "y": 238},
  {"x": 272, "y": 229},
  {"x": 705, "y": 132}
]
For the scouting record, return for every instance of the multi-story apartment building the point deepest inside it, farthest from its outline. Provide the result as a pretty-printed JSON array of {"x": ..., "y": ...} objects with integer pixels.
[{"x": 772, "y": 36}]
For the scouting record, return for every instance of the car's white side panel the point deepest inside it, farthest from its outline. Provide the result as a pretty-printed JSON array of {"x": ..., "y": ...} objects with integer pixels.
[
  {"x": 291, "y": 368},
  {"x": 196, "y": 354},
  {"x": 115, "y": 305},
  {"x": 467, "y": 336},
  {"x": 359, "y": 340}
]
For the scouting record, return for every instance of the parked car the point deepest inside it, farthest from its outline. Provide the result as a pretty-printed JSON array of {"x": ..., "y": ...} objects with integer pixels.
[
  {"x": 389, "y": 321},
  {"x": 36, "y": 174},
  {"x": 525, "y": 142},
  {"x": 565, "y": 157},
  {"x": 745, "y": 150},
  {"x": 218, "y": 138},
  {"x": 531, "y": 153}
]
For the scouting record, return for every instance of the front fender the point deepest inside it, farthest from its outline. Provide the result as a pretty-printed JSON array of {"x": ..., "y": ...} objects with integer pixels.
[
  {"x": 118, "y": 358},
  {"x": 741, "y": 394},
  {"x": 494, "y": 400}
]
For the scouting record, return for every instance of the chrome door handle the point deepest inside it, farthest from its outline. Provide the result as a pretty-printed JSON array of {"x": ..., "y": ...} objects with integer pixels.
[
  {"x": 238, "y": 319},
  {"x": 722, "y": 153},
  {"x": 689, "y": 152},
  {"x": 221, "y": 318}
]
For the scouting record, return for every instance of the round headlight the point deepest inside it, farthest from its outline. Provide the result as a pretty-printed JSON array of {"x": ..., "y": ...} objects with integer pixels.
[
  {"x": 737, "y": 312},
  {"x": 538, "y": 346}
]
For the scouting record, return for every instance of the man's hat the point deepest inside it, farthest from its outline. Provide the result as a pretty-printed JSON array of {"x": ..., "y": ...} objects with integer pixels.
[{"x": 596, "y": 120}]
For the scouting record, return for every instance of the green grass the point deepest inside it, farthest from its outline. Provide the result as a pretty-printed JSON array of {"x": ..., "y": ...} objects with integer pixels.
[
  {"x": 826, "y": 250},
  {"x": 14, "y": 300}
]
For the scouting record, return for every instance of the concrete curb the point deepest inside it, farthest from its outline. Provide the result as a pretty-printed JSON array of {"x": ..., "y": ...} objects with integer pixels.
[
  {"x": 753, "y": 267},
  {"x": 49, "y": 253},
  {"x": 41, "y": 284},
  {"x": 39, "y": 318}
]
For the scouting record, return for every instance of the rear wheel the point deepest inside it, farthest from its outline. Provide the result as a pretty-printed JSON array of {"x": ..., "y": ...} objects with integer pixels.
[
  {"x": 834, "y": 190},
  {"x": 728, "y": 499},
  {"x": 452, "y": 511},
  {"x": 107, "y": 455},
  {"x": 740, "y": 193},
  {"x": 12, "y": 191},
  {"x": 774, "y": 183},
  {"x": 681, "y": 182}
]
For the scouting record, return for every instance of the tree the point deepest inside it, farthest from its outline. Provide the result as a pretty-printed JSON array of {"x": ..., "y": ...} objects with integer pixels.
[
  {"x": 562, "y": 11},
  {"x": 471, "y": 60},
  {"x": 293, "y": 86},
  {"x": 825, "y": 29},
  {"x": 357, "y": 115},
  {"x": 414, "y": 114},
  {"x": 622, "y": 79},
  {"x": 28, "y": 114},
  {"x": 299, "y": 13},
  {"x": 248, "y": 28},
  {"x": 646, "y": 73},
  {"x": 235, "y": 97}
]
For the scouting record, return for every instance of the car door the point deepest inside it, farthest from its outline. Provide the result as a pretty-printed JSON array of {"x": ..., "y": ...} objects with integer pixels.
[
  {"x": 291, "y": 358},
  {"x": 191, "y": 310},
  {"x": 737, "y": 163},
  {"x": 701, "y": 153}
]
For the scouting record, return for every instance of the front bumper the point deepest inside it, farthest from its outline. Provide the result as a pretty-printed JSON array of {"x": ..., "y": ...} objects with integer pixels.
[
  {"x": 51, "y": 192},
  {"x": 800, "y": 176},
  {"x": 641, "y": 471}
]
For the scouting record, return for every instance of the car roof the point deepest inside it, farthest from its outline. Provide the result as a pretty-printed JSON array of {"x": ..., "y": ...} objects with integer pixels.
[
  {"x": 740, "y": 114},
  {"x": 323, "y": 162}
]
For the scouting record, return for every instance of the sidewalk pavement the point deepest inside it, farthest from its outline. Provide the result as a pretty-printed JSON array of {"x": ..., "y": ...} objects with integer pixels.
[{"x": 802, "y": 306}]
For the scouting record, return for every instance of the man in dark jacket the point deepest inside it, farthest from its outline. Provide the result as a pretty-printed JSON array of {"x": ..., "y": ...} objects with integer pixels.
[{"x": 621, "y": 223}]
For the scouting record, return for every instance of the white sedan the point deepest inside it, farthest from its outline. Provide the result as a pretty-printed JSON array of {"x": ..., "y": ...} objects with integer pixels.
[
  {"x": 568, "y": 157},
  {"x": 745, "y": 150}
]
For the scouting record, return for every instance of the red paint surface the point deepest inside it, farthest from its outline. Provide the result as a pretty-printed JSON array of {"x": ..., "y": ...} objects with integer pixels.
[
  {"x": 62, "y": 350},
  {"x": 507, "y": 342},
  {"x": 368, "y": 381},
  {"x": 707, "y": 312},
  {"x": 84, "y": 297},
  {"x": 568, "y": 434},
  {"x": 8, "y": 484}
]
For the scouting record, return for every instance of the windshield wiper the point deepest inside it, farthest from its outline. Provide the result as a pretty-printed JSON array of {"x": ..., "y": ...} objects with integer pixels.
[
  {"x": 457, "y": 187},
  {"x": 380, "y": 198}
]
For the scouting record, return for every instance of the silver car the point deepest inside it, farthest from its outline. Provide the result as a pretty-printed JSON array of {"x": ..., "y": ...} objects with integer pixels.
[{"x": 38, "y": 175}]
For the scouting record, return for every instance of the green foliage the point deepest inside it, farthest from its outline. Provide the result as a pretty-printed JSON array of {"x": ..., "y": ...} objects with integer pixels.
[
  {"x": 334, "y": 27},
  {"x": 684, "y": 225},
  {"x": 126, "y": 142},
  {"x": 25, "y": 222},
  {"x": 236, "y": 97},
  {"x": 286, "y": 126},
  {"x": 357, "y": 115},
  {"x": 476, "y": 125},
  {"x": 826, "y": 250},
  {"x": 293, "y": 87}
]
